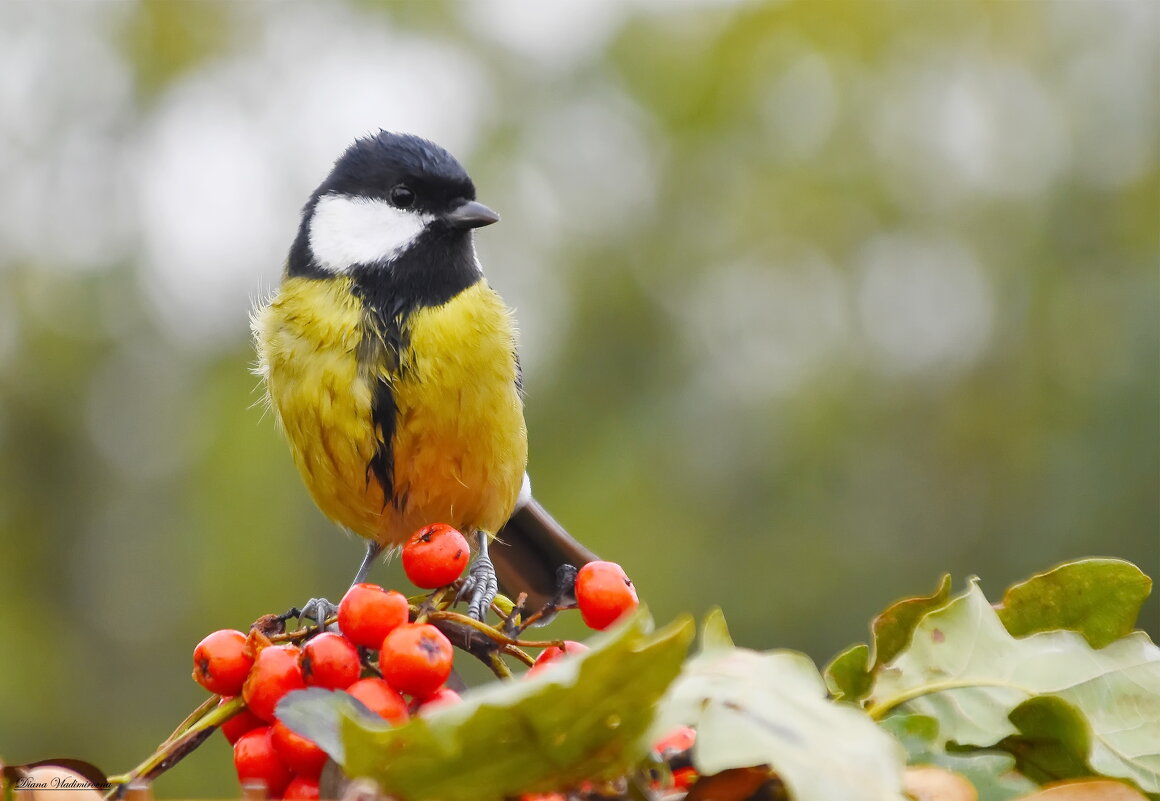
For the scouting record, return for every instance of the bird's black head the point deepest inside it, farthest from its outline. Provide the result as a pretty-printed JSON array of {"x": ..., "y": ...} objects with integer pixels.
[
  {"x": 392, "y": 203},
  {"x": 402, "y": 169}
]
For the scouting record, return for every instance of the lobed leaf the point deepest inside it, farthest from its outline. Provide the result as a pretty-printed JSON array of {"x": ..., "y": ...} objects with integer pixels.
[
  {"x": 752, "y": 709},
  {"x": 964, "y": 669},
  {"x": 994, "y": 775},
  {"x": 582, "y": 718},
  {"x": 850, "y": 675},
  {"x": 1053, "y": 742},
  {"x": 894, "y": 628},
  {"x": 715, "y": 632},
  {"x": 1099, "y": 598}
]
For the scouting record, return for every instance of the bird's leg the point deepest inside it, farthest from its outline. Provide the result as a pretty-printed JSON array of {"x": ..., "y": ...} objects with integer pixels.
[
  {"x": 481, "y": 584},
  {"x": 563, "y": 598},
  {"x": 373, "y": 550},
  {"x": 317, "y": 610}
]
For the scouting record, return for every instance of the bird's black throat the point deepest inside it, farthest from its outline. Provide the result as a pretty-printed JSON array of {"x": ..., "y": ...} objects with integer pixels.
[{"x": 435, "y": 268}]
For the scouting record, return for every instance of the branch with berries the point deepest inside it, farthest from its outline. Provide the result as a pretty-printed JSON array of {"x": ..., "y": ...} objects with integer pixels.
[
  {"x": 1050, "y": 694},
  {"x": 391, "y": 655}
]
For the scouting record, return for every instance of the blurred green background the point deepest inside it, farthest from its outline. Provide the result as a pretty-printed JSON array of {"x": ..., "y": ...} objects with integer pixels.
[{"x": 818, "y": 299}]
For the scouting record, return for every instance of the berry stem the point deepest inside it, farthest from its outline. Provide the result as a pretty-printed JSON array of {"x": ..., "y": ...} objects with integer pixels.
[
  {"x": 528, "y": 621},
  {"x": 509, "y": 612},
  {"x": 299, "y": 635},
  {"x": 461, "y": 629},
  {"x": 519, "y": 654},
  {"x": 490, "y": 631},
  {"x": 438, "y": 601},
  {"x": 189, "y": 735},
  {"x": 498, "y": 666},
  {"x": 192, "y": 718},
  {"x": 466, "y": 637}
]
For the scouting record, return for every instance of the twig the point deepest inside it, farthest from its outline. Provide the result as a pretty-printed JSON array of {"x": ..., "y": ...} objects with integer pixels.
[
  {"x": 179, "y": 744},
  {"x": 191, "y": 719},
  {"x": 492, "y": 633}
]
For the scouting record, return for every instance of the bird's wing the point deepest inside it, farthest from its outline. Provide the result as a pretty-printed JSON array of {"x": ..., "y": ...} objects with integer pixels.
[{"x": 528, "y": 550}]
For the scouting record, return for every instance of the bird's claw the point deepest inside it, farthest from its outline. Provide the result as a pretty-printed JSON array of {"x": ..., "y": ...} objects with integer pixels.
[
  {"x": 318, "y": 610},
  {"x": 480, "y": 585}
]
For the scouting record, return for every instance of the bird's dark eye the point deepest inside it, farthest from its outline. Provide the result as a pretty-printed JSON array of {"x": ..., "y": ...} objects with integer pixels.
[{"x": 402, "y": 197}]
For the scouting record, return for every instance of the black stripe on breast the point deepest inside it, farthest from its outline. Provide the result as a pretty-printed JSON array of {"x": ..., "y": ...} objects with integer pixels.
[{"x": 436, "y": 268}]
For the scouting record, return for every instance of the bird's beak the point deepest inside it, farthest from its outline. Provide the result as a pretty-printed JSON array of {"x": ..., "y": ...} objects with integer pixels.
[{"x": 470, "y": 214}]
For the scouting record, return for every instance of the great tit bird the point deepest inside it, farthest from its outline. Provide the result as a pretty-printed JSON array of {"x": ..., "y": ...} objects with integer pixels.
[{"x": 391, "y": 367}]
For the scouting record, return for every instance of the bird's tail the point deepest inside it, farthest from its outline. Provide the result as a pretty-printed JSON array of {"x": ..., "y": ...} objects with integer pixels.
[{"x": 529, "y": 548}]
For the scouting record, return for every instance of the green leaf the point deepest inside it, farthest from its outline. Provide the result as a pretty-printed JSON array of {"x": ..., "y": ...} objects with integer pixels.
[
  {"x": 994, "y": 775},
  {"x": 715, "y": 632},
  {"x": 894, "y": 627},
  {"x": 1099, "y": 598},
  {"x": 848, "y": 675},
  {"x": 753, "y": 709},
  {"x": 318, "y": 714},
  {"x": 583, "y": 718},
  {"x": 1053, "y": 742},
  {"x": 964, "y": 669}
]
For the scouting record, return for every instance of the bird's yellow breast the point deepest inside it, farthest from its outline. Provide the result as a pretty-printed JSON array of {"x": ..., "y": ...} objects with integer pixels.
[{"x": 459, "y": 447}]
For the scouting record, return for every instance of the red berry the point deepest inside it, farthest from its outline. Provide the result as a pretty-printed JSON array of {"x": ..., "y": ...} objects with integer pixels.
[
  {"x": 222, "y": 661},
  {"x": 604, "y": 593},
  {"x": 276, "y": 672},
  {"x": 675, "y": 742},
  {"x": 435, "y": 556},
  {"x": 416, "y": 659},
  {"x": 240, "y": 723},
  {"x": 256, "y": 760},
  {"x": 331, "y": 661},
  {"x": 367, "y": 613},
  {"x": 444, "y": 696},
  {"x": 684, "y": 778},
  {"x": 301, "y": 789},
  {"x": 380, "y": 698},
  {"x": 301, "y": 754},
  {"x": 553, "y": 653}
]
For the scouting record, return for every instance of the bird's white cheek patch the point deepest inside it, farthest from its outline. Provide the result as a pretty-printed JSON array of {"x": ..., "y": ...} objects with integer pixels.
[{"x": 346, "y": 231}]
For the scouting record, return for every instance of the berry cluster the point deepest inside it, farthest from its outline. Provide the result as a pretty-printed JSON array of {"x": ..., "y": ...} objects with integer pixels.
[
  {"x": 412, "y": 658},
  {"x": 380, "y": 649}
]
